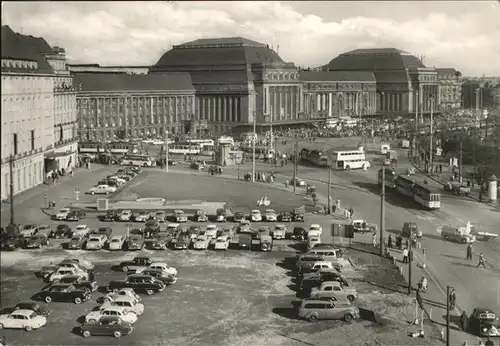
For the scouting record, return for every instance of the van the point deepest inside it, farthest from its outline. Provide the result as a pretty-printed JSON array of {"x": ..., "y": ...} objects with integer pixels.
[
  {"x": 411, "y": 227},
  {"x": 459, "y": 235},
  {"x": 327, "y": 254}
]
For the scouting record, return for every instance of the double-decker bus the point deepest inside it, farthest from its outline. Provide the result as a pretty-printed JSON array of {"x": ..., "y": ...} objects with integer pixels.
[
  {"x": 184, "y": 149},
  {"x": 421, "y": 193},
  {"x": 138, "y": 160},
  {"x": 350, "y": 159},
  {"x": 390, "y": 177}
]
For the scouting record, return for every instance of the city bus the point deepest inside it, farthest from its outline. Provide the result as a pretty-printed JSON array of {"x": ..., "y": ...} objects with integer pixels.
[
  {"x": 184, "y": 149},
  {"x": 207, "y": 150},
  {"x": 390, "y": 177},
  {"x": 114, "y": 148},
  {"x": 138, "y": 160},
  {"x": 350, "y": 159},
  {"x": 421, "y": 193},
  {"x": 317, "y": 158},
  {"x": 203, "y": 142}
]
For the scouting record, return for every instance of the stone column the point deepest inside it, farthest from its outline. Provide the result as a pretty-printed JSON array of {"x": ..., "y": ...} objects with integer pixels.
[
  {"x": 231, "y": 115},
  {"x": 330, "y": 105},
  {"x": 318, "y": 102},
  {"x": 214, "y": 107},
  {"x": 301, "y": 99},
  {"x": 219, "y": 108},
  {"x": 237, "y": 113}
]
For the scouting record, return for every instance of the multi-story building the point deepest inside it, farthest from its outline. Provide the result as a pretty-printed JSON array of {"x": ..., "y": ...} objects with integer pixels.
[
  {"x": 115, "y": 106},
  {"x": 450, "y": 88},
  {"x": 38, "y": 112},
  {"x": 96, "y": 68},
  {"x": 478, "y": 94}
]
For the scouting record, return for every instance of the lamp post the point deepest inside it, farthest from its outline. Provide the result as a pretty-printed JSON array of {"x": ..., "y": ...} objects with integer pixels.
[
  {"x": 382, "y": 210},
  {"x": 431, "y": 98},
  {"x": 11, "y": 188},
  {"x": 254, "y": 139},
  {"x": 166, "y": 151}
]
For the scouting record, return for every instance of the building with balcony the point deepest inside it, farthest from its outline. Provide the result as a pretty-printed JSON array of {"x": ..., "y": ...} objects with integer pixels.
[
  {"x": 117, "y": 106},
  {"x": 403, "y": 82},
  {"x": 450, "y": 88},
  {"x": 38, "y": 112}
]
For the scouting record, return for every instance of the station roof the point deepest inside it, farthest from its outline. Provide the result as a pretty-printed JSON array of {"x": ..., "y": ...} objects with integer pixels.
[
  {"x": 111, "y": 82},
  {"x": 375, "y": 60},
  {"x": 337, "y": 76}
]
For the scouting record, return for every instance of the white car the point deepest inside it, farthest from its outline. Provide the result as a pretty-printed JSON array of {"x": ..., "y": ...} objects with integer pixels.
[
  {"x": 102, "y": 190},
  {"x": 22, "y": 319},
  {"x": 279, "y": 231},
  {"x": 129, "y": 292},
  {"x": 164, "y": 267},
  {"x": 116, "y": 242},
  {"x": 172, "y": 227},
  {"x": 255, "y": 216},
  {"x": 211, "y": 231},
  {"x": 221, "y": 243},
  {"x": 44, "y": 230},
  {"x": 29, "y": 230},
  {"x": 117, "y": 179},
  {"x": 123, "y": 313},
  {"x": 201, "y": 242},
  {"x": 312, "y": 241},
  {"x": 82, "y": 230},
  {"x": 96, "y": 242},
  {"x": 142, "y": 216},
  {"x": 316, "y": 228},
  {"x": 83, "y": 263},
  {"x": 56, "y": 276},
  {"x": 125, "y": 215},
  {"x": 180, "y": 216},
  {"x": 126, "y": 302},
  {"x": 270, "y": 215},
  {"x": 62, "y": 214},
  {"x": 245, "y": 226}
]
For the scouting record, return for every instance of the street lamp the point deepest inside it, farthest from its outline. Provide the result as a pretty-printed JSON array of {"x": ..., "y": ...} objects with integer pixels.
[
  {"x": 431, "y": 99},
  {"x": 382, "y": 207},
  {"x": 254, "y": 139},
  {"x": 166, "y": 151}
]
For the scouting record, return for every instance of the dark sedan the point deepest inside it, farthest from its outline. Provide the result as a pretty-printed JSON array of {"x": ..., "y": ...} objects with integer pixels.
[
  {"x": 61, "y": 231},
  {"x": 285, "y": 217},
  {"x": 107, "y": 231},
  {"x": 36, "y": 241},
  {"x": 39, "y": 308},
  {"x": 110, "y": 216},
  {"x": 238, "y": 216},
  {"x": 107, "y": 326},
  {"x": 75, "y": 215}
]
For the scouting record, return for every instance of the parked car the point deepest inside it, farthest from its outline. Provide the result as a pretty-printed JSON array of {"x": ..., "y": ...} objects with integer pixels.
[
  {"x": 46, "y": 271},
  {"x": 164, "y": 267},
  {"x": 82, "y": 230},
  {"x": 238, "y": 216},
  {"x": 61, "y": 231},
  {"x": 160, "y": 241},
  {"x": 201, "y": 243},
  {"x": 161, "y": 216},
  {"x": 110, "y": 216},
  {"x": 135, "y": 242},
  {"x": 141, "y": 216},
  {"x": 314, "y": 310},
  {"x": 245, "y": 227},
  {"x": 200, "y": 216},
  {"x": 11, "y": 244},
  {"x": 220, "y": 215},
  {"x": 106, "y": 231},
  {"x": 61, "y": 272},
  {"x": 137, "y": 263},
  {"x": 22, "y": 319},
  {"x": 65, "y": 293},
  {"x": 77, "y": 242},
  {"x": 83, "y": 263},
  {"x": 76, "y": 215},
  {"x": 123, "y": 313},
  {"x": 116, "y": 242},
  {"x": 221, "y": 243},
  {"x": 28, "y": 230},
  {"x": 125, "y": 215},
  {"x": 285, "y": 217},
  {"x": 107, "y": 325},
  {"x": 172, "y": 228},
  {"x": 182, "y": 243},
  {"x": 79, "y": 282},
  {"x": 102, "y": 189},
  {"x": 483, "y": 323},
  {"x": 334, "y": 289},
  {"x": 299, "y": 233},
  {"x": 126, "y": 302},
  {"x": 152, "y": 226},
  {"x": 167, "y": 279},
  {"x": 40, "y": 308},
  {"x": 138, "y": 282},
  {"x": 266, "y": 243},
  {"x": 255, "y": 216},
  {"x": 297, "y": 182},
  {"x": 279, "y": 231},
  {"x": 36, "y": 241},
  {"x": 62, "y": 214},
  {"x": 129, "y": 292},
  {"x": 96, "y": 242},
  {"x": 245, "y": 241},
  {"x": 270, "y": 215},
  {"x": 211, "y": 231},
  {"x": 298, "y": 214},
  {"x": 180, "y": 216}
]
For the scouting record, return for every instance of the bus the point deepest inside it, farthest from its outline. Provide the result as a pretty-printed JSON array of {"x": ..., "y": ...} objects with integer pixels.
[
  {"x": 317, "y": 158},
  {"x": 421, "y": 193},
  {"x": 207, "y": 150},
  {"x": 138, "y": 160},
  {"x": 390, "y": 177},
  {"x": 114, "y": 148},
  {"x": 185, "y": 149},
  {"x": 350, "y": 159},
  {"x": 225, "y": 140},
  {"x": 202, "y": 142}
]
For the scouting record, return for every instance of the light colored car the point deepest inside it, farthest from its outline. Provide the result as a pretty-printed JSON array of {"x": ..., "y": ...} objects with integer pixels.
[
  {"x": 62, "y": 214},
  {"x": 96, "y": 242},
  {"x": 271, "y": 215},
  {"x": 116, "y": 242},
  {"x": 180, "y": 216},
  {"x": 141, "y": 216},
  {"x": 161, "y": 216},
  {"x": 164, "y": 267},
  {"x": 201, "y": 242},
  {"x": 81, "y": 230},
  {"x": 22, "y": 319},
  {"x": 297, "y": 182},
  {"x": 29, "y": 230},
  {"x": 334, "y": 289},
  {"x": 102, "y": 190},
  {"x": 255, "y": 216},
  {"x": 279, "y": 231},
  {"x": 126, "y": 302},
  {"x": 314, "y": 310},
  {"x": 316, "y": 228},
  {"x": 117, "y": 179},
  {"x": 123, "y": 313},
  {"x": 125, "y": 215},
  {"x": 221, "y": 243},
  {"x": 61, "y": 272},
  {"x": 44, "y": 230},
  {"x": 245, "y": 226},
  {"x": 211, "y": 231},
  {"x": 172, "y": 227},
  {"x": 312, "y": 241},
  {"x": 83, "y": 263},
  {"x": 129, "y": 292}
]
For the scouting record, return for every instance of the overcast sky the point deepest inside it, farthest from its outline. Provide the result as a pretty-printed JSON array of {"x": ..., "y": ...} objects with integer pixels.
[{"x": 464, "y": 35}]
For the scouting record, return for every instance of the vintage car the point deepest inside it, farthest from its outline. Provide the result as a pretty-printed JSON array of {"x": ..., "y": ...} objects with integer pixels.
[
  {"x": 129, "y": 292},
  {"x": 61, "y": 231},
  {"x": 62, "y": 271},
  {"x": 262, "y": 231},
  {"x": 298, "y": 214},
  {"x": 164, "y": 267},
  {"x": 82, "y": 230},
  {"x": 141, "y": 216},
  {"x": 245, "y": 241},
  {"x": 161, "y": 216},
  {"x": 221, "y": 215},
  {"x": 255, "y": 216},
  {"x": 77, "y": 242},
  {"x": 76, "y": 215},
  {"x": 238, "y": 216},
  {"x": 127, "y": 302},
  {"x": 245, "y": 227},
  {"x": 40, "y": 308},
  {"x": 297, "y": 182},
  {"x": 200, "y": 216},
  {"x": 180, "y": 216},
  {"x": 285, "y": 216},
  {"x": 102, "y": 189},
  {"x": 11, "y": 244},
  {"x": 22, "y": 319},
  {"x": 306, "y": 261},
  {"x": 135, "y": 242},
  {"x": 62, "y": 214},
  {"x": 28, "y": 230},
  {"x": 167, "y": 279},
  {"x": 270, "y": 215},
  {"x": 36, "y": 241},
  {"x": 192, "y": 232},
  {"x": 201, "y": 242},
  {"x": 107, "y": 325},
  {"x": 181, "y": 243},
  {"x": 124, "y": 313},
  {"x": 110, "y": 216},
  {"x": 83, "y": 263},
  {"x": 211, "y": 231},
  {"x": 484, "y": 323},
  {"x": 315, "y": 279},
  {"x": 160, "y": 241},
  {"x": 315, "y": 230},
  {"x": 266, "y": 243},
  {"x": 64, "y": 293},
  {"x": 152, "y": 226},
  {"x": 125, "y": 215},
  {"x": 79, "y": 282},
  {"x": 106, "y": 231},
  {"x": 96, "y": 242},
  {"x": 138, "y": 282},
  {"x": 314, "y": 310},
  {"x": 221, "y": 243},
  {"x": 137, "y": 263},
  {"x": 46, "y": 271},
  {"x": 361, "y": 226},
  {"x": 279, "y": 231},
  {"x": 334, "y": 289},
  {"x": 173, "y": 227}
]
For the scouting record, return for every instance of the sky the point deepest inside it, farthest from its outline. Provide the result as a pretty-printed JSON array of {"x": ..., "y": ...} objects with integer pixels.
[{"x": 463, "y": 35}]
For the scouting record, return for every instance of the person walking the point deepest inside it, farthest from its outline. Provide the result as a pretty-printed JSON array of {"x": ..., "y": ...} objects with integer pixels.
[
  {"x": 286, "y": 183},
  {"x": 481, "y": 261},
  {"x": 389, "y": 241},
  {"x": 452, "y": 299},
  {"x": 374, "y": 239},
  {"x": 469, "y": 251},
  {"x": 405, "y": 256}
]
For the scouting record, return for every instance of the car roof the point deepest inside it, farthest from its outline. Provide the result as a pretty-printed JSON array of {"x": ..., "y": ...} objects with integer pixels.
[
  {"x": 123, "y": 297},
  {"x": 139, "y": 276},
  {"x": 71, "y": 277},
  {"x": 314, "y": 225},
  {"x": 255, "y": 211},
  {"x": 61, "y": 285},
  {"x": 173, "y": 225},
  {"x": 158, "y": 264},
  {"x": 24, "y": 312},
  {"x": 178, "y": 211},
  {"x": 28, "y": 302},
  {"x": 331, "y": 283}
]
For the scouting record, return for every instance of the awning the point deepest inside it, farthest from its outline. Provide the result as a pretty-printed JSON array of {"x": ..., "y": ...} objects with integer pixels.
[{"x": 53, "y": 154}]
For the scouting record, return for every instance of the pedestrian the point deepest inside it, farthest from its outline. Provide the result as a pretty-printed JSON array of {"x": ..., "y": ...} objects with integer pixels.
[
  {"x": 325, "y": 208},
  {"x": 389, "y": 241},
  {"x": 452, "y": 299},
  {"x": 337, "y": 203},
  {"x": 351, "y": 211},
  {"x": 464, "y": 321},
  {"x": 481, "y": 261},
  {"x": 286, "y": 183},
  {"x": 374, "y": 239},
  {"x": 334, "y": 208},
  {"x": 405, "y": 256},
  {"x": 440, "y": 168},
  {"x": 469, "y": 251}
]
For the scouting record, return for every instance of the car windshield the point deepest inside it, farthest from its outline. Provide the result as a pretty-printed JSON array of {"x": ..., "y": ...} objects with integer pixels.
[
  {"x": 115, "y": 240},
  {"x": 255, "y": 212},
  {"x": 28, "y": 227},
  {"x": 75, "y": 238},
  {"x": 94, "y": 239},
  {"x": 64, "y": 210}
]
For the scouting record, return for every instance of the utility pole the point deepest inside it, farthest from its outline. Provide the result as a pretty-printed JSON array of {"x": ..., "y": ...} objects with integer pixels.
[
  {"x": 382, "y": 211},
  {"x": 295, "y": 163},
  {"x": 431, "y": 135},
  {"x": 11, "y": 187},
  {"x": 330, "y": 184},
  {"x": 254, "y": 139},
  {"x": 460, "y": 163},
  {"x": 447, "y": 315},
  {"x": 410, "y": 258},
  {"x": 416, "y": 125},
  {"x": 166, "y": 151}
]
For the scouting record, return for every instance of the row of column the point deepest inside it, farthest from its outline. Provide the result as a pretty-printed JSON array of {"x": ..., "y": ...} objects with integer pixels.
[
  {"x": 390, "y": 101},
  {"x": 356, "y": 102},
  {"x": 283, "y": 102},
  {"x": 219, "y": 108}
]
